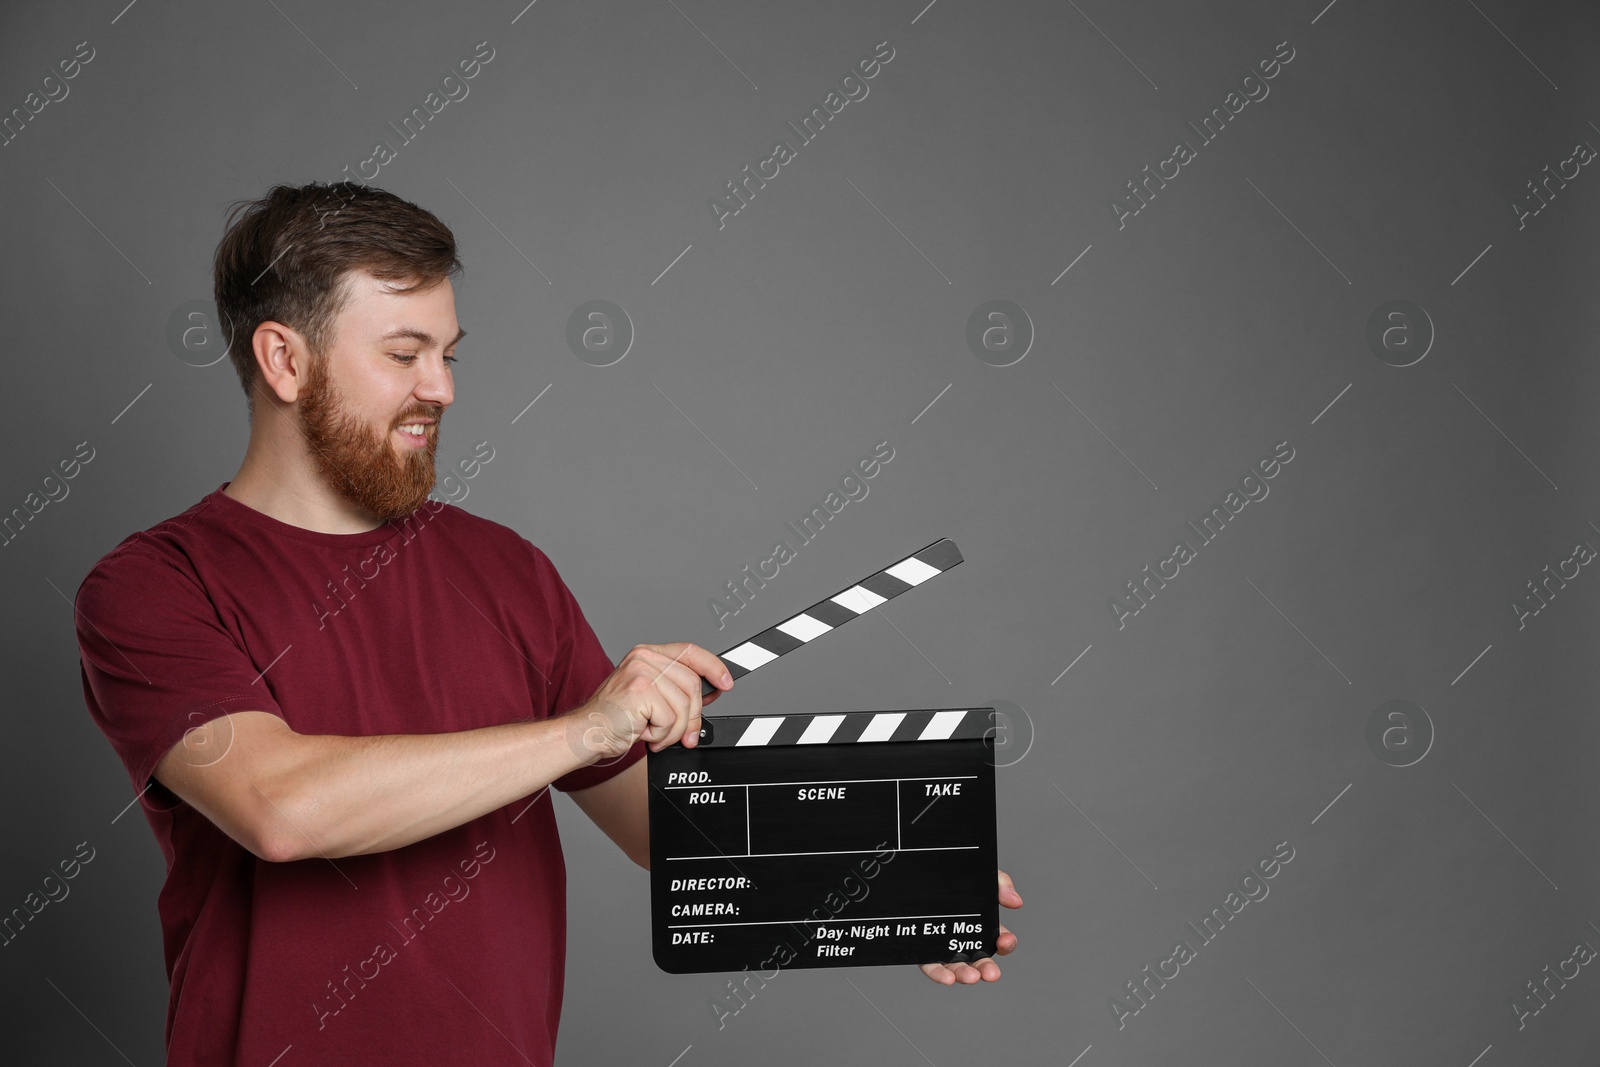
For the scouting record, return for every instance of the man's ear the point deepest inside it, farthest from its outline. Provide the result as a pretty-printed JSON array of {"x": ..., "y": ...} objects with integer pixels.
[{"x": 281, "y": 358}]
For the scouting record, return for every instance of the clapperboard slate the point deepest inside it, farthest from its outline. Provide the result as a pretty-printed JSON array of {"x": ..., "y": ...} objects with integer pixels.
[{"x": 826, "y": 840}]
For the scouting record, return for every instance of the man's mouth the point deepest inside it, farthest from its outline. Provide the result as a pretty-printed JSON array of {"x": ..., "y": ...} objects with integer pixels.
[{"x": 414, "y": 435}]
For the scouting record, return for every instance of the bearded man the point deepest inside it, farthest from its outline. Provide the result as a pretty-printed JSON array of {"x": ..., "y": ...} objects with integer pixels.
[{"x": 343, "y": 703}]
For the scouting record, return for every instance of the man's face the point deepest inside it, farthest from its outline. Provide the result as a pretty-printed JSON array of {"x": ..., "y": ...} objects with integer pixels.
[{"x": 387, "y": 365}]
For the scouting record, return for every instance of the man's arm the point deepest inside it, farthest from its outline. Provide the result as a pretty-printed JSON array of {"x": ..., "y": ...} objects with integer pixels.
[
  {"x": 288, "y": 796},
  {"x": 620, "y": 806}
]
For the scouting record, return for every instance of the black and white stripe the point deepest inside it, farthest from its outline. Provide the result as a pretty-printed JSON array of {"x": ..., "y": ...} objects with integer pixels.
[
  {"x": 937, "y": 724},
  {"x": 838, "y": 609}
]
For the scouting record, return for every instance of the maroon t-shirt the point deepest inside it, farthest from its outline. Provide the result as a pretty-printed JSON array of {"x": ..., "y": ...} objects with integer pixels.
[{"x": 448, "y": 950}]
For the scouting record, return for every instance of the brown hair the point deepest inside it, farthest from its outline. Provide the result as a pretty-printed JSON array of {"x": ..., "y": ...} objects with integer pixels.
[{"x": 284, "y": 258}]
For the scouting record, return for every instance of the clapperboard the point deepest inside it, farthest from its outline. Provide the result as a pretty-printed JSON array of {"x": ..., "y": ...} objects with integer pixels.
[{"x": 826, "y": 840}]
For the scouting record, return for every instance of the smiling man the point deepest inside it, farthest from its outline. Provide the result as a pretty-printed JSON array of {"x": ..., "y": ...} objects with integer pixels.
[{"x": 362, "y": 857}]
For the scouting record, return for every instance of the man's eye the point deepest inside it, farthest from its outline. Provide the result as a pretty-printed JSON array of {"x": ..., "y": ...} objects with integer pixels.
[{"x": 406, "y": 360}]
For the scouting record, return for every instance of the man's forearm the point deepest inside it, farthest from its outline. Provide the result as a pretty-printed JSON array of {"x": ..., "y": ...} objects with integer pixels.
[{"x": 333, "y": 796}]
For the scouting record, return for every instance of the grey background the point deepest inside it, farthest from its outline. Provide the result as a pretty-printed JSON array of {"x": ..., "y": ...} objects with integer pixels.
[{"x": 1227, "y": 316}]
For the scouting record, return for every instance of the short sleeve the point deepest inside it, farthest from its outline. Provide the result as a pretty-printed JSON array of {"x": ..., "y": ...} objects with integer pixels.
[
  {"x": 581, "y": 665},
  {"x": 156, "y": 660}
]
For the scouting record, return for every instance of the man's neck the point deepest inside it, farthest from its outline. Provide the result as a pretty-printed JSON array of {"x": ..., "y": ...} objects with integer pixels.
[{"x": 297, "y": 498}]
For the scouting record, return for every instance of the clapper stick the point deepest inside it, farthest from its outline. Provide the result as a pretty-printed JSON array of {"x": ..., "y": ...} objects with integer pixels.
[
  {"x": 829, "y": 614},
  {"x": 764, "y": 837}
]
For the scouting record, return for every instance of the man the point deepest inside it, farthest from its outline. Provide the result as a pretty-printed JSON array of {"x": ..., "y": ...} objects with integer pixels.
[{"x": 343, "y": 703}]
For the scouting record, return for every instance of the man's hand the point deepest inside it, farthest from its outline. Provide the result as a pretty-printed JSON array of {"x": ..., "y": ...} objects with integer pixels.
[
  {"x": 986, "y": 969},
  {"x": 654, "y": 692}
]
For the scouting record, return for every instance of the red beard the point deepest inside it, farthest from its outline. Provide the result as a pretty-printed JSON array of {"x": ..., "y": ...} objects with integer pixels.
[{"x": 360, "y": 462}]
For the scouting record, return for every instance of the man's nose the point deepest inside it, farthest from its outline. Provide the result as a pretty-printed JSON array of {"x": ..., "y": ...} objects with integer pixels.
[{"x": 436, "y": 387}]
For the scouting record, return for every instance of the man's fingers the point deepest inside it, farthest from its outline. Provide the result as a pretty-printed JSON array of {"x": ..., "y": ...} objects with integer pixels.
[
  {"x": 984, "y": 970},
  {"x": 704, "y": 663},
  {"x": 670, "y": 712},
  {"x": 1008, "y": 891},
  {"x": 681, "y": 686},
  {"x": 661, "y": 699},
  {"x": 681, "y": 667}
]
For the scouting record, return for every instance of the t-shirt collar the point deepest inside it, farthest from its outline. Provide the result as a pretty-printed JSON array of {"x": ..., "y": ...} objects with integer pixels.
[{"x": 241, "y": 512}]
